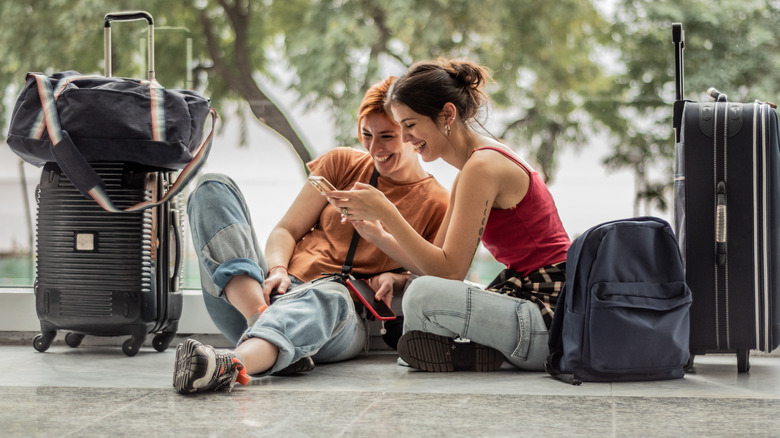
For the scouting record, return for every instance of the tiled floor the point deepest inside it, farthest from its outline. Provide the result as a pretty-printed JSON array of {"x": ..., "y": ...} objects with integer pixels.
[{"x": 98, "y": 391}]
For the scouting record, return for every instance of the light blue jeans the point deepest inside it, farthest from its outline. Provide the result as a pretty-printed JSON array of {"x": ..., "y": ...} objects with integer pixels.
[
  {"x": 452, "y": 308},
  {"x": 316, "y": 319}
]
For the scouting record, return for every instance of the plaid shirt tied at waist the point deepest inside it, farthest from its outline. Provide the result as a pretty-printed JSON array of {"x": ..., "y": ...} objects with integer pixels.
[{"x": 542, "y": 287}]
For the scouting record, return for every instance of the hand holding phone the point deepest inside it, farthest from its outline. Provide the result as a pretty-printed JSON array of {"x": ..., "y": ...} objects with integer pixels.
[
  {"x": 363, "y": 291},
  {"x": 321, "y": 183}
]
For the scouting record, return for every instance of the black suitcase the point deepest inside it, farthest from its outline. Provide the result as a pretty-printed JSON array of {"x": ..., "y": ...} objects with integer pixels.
[
  {"x": 103, "y": 273},
  {"x": 727, "y": 219},
  {"x": 108, "y": 274}
]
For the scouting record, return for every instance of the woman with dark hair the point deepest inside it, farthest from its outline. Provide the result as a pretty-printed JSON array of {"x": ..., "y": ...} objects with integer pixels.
[
  {"x": 284, "y": 318},
  {"x": 498, "y": 199}
]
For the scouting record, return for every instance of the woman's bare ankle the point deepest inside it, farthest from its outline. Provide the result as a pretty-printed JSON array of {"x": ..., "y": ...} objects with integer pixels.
[{"x": 259, "y": 355}]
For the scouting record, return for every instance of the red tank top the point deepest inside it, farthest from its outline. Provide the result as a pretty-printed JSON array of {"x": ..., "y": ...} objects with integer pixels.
[{"x": 530, "y": 235}]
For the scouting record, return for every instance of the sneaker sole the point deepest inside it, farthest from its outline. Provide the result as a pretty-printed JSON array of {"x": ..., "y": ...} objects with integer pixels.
[
  {"x": 303, "y": 365},
  {"x": 187, "y": 362},
  {"x": 434, "y": 353}
]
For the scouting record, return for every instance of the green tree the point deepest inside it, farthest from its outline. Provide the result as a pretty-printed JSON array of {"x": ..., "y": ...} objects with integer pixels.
[
  {"x": 540, "y": 53},
  {"x": 730, "y": 45},
  {"x": 229, "y": 37}
]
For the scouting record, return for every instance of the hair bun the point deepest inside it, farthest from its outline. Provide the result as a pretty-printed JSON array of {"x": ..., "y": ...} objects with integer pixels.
[{"x": 467, "y": 73}]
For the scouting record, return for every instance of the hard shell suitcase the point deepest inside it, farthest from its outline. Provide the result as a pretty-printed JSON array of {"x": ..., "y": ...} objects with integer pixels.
[
  {"x": 108, "y": 273},
  {"x": 727, "y": 219}
]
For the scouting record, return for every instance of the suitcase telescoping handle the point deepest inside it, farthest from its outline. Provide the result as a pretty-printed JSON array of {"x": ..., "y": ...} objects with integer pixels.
[
  {"x": 128, "y": 16},
  {"x": 678, "y": 37}
]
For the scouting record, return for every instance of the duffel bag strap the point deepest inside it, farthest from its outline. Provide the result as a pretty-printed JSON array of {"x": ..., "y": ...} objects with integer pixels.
[{"x": 84, "y": 177}]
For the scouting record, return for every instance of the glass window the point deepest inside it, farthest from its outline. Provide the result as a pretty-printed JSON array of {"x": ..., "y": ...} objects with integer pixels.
[{"x": 268, "y": 190}]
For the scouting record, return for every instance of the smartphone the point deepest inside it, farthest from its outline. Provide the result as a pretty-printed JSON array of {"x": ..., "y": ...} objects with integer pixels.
[
  {"x": 321, "y": 184},
  {"x": 365, "y": 293}
]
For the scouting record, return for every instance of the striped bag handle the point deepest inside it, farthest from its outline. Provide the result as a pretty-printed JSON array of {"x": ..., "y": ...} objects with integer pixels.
[{"x": 84, "y": 177}]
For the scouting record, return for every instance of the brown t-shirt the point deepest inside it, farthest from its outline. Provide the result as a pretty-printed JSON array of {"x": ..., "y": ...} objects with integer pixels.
[{"x": 324, "y": 248}]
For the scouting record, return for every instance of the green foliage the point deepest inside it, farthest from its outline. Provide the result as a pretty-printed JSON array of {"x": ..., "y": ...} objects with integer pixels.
[
  {"x": 729, "y": 44},
  {"x": 230, "y": 39},
  {"x": 563, "y": 71},
  {"x": 540, "y": 54},
  {"x": 57, "y": 35}
]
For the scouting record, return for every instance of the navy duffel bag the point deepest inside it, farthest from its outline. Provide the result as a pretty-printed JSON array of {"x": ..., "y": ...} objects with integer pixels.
[
  {"x": 74, "y": 119},
  {"x": 111, "y": 119}
]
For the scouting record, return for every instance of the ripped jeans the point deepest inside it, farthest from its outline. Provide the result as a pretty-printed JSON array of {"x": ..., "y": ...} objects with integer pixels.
[
  {"x": 316, "y": 319},
  {"x": 452, "y": 308}
]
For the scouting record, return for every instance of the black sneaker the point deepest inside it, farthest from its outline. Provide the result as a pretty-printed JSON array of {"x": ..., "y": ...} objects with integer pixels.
[
  {"x": 429, "y": 352},
  {"x": 300, "y": 366},
  {"x": 202, "y": 368}
]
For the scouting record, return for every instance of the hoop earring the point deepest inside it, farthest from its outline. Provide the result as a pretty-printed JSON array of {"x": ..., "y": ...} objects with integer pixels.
[{"x": 447, "y": 130}]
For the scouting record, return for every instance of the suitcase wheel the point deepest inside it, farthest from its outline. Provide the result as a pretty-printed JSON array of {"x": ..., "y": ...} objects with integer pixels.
[
  {"x": 688, "y": 368},
  {"x": 743, "y": 361},
  {"x": 131, "y": 346},
  {"x": 162, "y": 340},
  {"x": 42, "y": 342},
  {"x": 74, "y": 339}
]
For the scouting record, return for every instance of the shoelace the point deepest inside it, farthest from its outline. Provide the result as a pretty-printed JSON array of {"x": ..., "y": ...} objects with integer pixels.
[{"x": 230, "y": 369}]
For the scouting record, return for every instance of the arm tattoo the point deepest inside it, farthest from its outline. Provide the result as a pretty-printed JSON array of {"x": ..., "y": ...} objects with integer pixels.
[{"x": 482, "y": 228}]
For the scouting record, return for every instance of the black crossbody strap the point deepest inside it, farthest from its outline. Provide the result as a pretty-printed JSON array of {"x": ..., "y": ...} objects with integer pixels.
[{"x": 347, "y": 267}]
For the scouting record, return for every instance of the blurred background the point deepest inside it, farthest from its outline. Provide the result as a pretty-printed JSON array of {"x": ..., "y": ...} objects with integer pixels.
[{"x": 582, "y": 89}]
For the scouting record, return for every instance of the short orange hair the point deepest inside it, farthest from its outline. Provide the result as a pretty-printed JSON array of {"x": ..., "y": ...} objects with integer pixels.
[{"x": 373, "y": 101}]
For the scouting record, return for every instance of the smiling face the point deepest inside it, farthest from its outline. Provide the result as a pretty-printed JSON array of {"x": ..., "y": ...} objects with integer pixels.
[
  {"x": 420, "y": 131},
  {"x": 393, "y": 158}
]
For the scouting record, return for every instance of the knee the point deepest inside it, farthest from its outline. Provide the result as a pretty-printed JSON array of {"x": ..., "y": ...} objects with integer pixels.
[
  {"x": 213, "y": 176},
  {"x": 210, "y": 186},
  {"x": 216, "y": 198},
  {"x": 420, "y": 293}
]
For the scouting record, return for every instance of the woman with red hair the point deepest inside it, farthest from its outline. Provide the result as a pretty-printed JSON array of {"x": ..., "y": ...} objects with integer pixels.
[{"x": 286, "y": 317}]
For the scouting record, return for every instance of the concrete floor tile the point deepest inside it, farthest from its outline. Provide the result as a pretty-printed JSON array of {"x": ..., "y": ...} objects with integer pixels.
[{"x": 98, "y": 391}]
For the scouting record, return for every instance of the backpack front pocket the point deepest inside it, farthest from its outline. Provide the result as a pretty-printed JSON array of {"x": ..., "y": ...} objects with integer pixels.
[{"x": 638, "y": 327}]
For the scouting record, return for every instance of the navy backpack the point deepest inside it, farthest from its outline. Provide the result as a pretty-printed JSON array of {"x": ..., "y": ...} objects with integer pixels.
[{"x": 623, "y": 313}]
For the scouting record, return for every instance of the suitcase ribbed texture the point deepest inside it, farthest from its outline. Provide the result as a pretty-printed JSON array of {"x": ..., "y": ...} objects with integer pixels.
[
  {"x": 108, "y": 274},
  {"x": 85, "y": 253}
]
